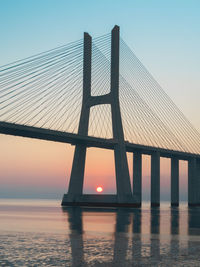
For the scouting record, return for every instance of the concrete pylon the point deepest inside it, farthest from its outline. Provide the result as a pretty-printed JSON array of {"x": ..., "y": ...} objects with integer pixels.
[
  {"x": 137, "y": 178},
  {"x": 124, "y": 194},
  {"x": 198, "y": 181},
  {"x": 78, "y": 167},
  {"x": 155, "y": 179},
  {"x": 174, "y": 181},
  {"x": 193, "y": 182}
]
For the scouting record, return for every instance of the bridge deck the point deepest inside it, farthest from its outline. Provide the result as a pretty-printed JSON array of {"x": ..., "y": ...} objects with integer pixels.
[{"x": 89, "y": 141}]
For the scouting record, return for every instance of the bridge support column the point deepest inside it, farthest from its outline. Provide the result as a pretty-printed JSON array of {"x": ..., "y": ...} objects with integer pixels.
[
  {"x": 174, "y": 181},
  {"x": 198, "y": 181},
  {"x": 155, "y": 179},
  {"x": 137, "y": 178},
  {"x": 193, "y": 182},
  {"x": 78, "y": 168},
  {"x": 124, "y": 195}
]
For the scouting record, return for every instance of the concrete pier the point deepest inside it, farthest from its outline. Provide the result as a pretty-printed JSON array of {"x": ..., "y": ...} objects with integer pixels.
[
  {"x": 124, "y": 196},
  {"x": 137, "y": 178},
  {"x": 198, "y": 180},
  {"x": 78, "y": 167},
  {"x": 94, "y": 200},
  {"x": 174, "y": 181},
  {"x": 192, "y": 182},
  {"x": 124, "y": 193},
  {"x": 155, "y": 179}
]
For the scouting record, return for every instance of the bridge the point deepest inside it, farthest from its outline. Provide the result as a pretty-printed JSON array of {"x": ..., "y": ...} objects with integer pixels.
[{"x": 96, "y": 93}]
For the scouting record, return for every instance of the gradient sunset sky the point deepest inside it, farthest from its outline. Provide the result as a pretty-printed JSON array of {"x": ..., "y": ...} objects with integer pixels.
[{"x": 165, "y": 36}]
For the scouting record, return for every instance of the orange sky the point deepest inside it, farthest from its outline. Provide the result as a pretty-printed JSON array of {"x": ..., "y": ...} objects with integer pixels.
[{"x": 34, "y": 168}]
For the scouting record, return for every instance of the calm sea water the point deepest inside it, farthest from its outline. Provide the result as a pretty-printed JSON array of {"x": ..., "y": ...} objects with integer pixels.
[{"x": 41, "y": 233}]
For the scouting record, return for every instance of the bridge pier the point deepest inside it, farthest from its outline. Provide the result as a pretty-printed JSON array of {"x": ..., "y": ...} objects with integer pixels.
[
  {"x": 198, "y": 181},
  {"x": 124, "y": 196},
  {"x": 155, "y": 179},
  {"x": 77, "y": 174},
  {"x": 193, "y": 182},
  {"x": 124, "y": 193},
  {"x": 78, "y": 166},
  {"x": 174, "y": 181},
  {"x": 137, "y": 178}
]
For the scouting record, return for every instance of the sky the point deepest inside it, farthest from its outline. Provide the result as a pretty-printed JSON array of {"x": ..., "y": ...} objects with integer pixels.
[{"x": 165, "y": 36}]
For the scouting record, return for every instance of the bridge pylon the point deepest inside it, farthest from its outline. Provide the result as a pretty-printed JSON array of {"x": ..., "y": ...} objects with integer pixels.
[{"x": 75, "y": 194}]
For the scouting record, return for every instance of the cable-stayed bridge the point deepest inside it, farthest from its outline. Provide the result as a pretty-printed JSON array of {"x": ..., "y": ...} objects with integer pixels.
[{"x": 96, "y": 93}]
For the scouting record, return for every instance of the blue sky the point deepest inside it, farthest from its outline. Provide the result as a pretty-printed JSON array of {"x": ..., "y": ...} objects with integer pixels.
[{"x": 165, "y": 35}]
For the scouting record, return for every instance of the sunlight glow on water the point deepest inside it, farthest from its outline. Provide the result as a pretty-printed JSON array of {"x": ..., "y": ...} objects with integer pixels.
[{"x": 40, "y": 232}]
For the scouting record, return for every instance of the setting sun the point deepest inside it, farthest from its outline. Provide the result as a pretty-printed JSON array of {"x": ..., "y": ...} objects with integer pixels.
[{"x": 99, "y": 189}]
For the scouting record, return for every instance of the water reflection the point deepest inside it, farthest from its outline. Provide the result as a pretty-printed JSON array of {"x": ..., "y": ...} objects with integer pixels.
[
  {"x": 174, "y": 221},
  {"x": 155, "y": 229},
  {"x": 36, "y": 235},
  {"x": 76, "y": 235},
  {"x": 194, "y": 221},
  {"x": 130, "y": 244},
  {"x": 123, "y": 220},
  {"x": 136, "y": 228},
  {"x": 174, "y": 230}
]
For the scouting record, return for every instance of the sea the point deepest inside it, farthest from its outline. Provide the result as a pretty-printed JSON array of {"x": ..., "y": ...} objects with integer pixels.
[{"x": 42, "y": 233}]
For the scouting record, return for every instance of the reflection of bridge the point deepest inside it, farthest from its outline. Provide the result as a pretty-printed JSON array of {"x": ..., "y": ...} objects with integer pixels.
[
  {"x": 136, "y": 237},
  {"x": 40, "y": 98}
]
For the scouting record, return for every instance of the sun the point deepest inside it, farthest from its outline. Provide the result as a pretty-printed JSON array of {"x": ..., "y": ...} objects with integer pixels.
[{"x": 99, "y": 189}]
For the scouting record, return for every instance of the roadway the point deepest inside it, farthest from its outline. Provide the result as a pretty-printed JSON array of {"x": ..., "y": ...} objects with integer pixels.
[{"x": 89, "y": 141}]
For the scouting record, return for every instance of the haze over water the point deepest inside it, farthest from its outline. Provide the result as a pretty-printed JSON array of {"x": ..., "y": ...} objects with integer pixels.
[{"x": 40, "y": 232}]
